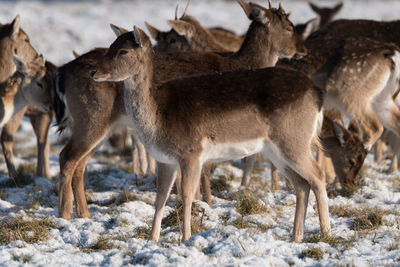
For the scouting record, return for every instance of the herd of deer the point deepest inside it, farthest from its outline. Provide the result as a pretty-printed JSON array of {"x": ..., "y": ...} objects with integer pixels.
[{"x": 206, "y": 95}]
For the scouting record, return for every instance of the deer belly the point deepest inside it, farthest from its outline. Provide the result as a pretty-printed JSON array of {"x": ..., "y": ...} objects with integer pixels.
[{"x": 230, "y": 151}]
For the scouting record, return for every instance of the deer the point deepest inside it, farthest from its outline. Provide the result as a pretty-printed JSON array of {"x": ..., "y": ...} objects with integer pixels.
[
  {"x": 227, "y": 116},
  {"x": 13, "y": 40},
  {"x": 95, "y": 125},
  {"x": 325, "y": 16}
]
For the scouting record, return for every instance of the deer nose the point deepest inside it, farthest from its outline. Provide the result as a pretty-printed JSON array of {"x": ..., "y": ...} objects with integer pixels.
[{"x": 92, "y": 73}]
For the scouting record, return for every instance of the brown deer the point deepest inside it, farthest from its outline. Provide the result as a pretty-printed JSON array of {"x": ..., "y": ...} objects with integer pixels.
[
  {"x": 257, "y": 51},
  {"x": 218, "y": 117}
]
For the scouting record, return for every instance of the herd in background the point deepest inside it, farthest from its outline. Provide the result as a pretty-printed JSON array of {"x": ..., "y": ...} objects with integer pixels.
[{"x": 203, "y": 95}]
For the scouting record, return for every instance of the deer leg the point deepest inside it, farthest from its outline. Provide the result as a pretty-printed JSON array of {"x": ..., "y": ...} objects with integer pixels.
[
  {"x": 77, "y": 148},
  {"x": 378, "y": 152},
  {"x": 151, "y": 165},
  {"x": 248, "y": 164},
  {"x": 165, "y": 179},
  {"x": 394, "y": 165},
  {"x": 371, "y": 127},
  {"x": 302, "y": 189},
  {"x": 7, "y": 141},
  {"x": 191, "y": 172},
  {"x": 274, "y": 178},
  {"x": 41, "y": 123},
  {"x": 205, "y": 182},
  {"x": 78, "y": 188}
]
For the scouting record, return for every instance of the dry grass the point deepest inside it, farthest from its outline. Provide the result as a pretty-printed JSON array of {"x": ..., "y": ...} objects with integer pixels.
[
  {"x": 220, "y": 184},
  {"x": 248, "y": 204},
  {"x": 240, "y": 223},
  {"x": 333, "y": 241},
  {"x": 315, "y": 253},
  {"x": 30, "y": 231},
  {"x": 175, "y": 218},
  {"x": 103, "y": 243},
  {"x": 24, "y": 174},
  {"x": 143, "y": 232},
  {"x": 125, "y": 196},
  {"x": 365, "y": 218},
  {"x": 21, "y": 258}
]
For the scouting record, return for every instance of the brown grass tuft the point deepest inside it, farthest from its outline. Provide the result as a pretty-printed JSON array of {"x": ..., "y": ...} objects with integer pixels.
[
  {"x": 220, "y": 184},
  {"x": 125, "y": 196},
  {"x": 248, "y": 204},
  {"x": 315, "y": 253},
  {"x": 143, "y": 232},
  {"x": 30, "y": 231},
  {"x": 368, "y": 221}
]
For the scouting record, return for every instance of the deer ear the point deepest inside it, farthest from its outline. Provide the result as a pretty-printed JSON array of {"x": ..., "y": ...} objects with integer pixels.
[
  {"x": 341, "y": 133},
  {"x": 259, "y": 14},
  {"x": 153, "y": 30},
  {"x": 76, "y": 55},
  {"x": 181, "y": 27},
  {"x": 337, "y": 8},
  {"x": 15, "y": 27},
  {"x": 118, "y": 30},
  {"x": 314, "y": 7},
  {"x": 311, "y": 26}
]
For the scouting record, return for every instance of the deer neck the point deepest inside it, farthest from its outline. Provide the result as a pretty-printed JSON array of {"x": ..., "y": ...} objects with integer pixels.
[
  {"x": 140, "y": 102},
  {"x": 257, "y": 50},
  {"x": 12, "y": 98},
  {"x": 7, "y": 66}
]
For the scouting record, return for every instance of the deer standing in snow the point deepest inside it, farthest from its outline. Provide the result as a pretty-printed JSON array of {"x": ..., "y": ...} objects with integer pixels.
[{"x": 217, "y": 117}]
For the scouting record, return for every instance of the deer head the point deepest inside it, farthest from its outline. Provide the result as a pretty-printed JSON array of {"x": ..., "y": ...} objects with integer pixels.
[
  {"x": 169, "y": 41},
  {"x": 13, "y": 40},
  {"x": 128, "y": 51},
  {"x": 280, "y": 30},
  {"x": 345, "y": 149}
]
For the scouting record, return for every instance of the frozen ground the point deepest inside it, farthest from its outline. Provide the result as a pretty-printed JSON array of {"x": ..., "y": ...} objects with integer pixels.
[{"x": 121, "y": 205}]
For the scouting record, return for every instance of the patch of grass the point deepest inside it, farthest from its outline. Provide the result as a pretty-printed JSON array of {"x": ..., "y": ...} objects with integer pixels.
[
  {"x": 30, "y": 231},
  {"x": 248, "y": 204},
  {"x": 240, "y": 223},
  {"x": 143, "y": 232},
  {"x": 370, "y": 220},
  {"x": 125, "y": 196},
  {"x": 34, "y": 204},
  {"x": 334, "y": 241},
  {"x": 175, "y": 218},
  {"x": 21, "y": 258},
  {"x": 219, "y": 184},
  {"x": 24, "y": 174},
  {"x": 315, "y": 253},
  {"x": 103, "y": 243}
]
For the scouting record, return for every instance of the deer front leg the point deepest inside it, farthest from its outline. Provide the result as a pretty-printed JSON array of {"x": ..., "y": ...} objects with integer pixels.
[
  {"x": 378, "y": 152},
  {"x": 41, "y": 122},
  {"x": 274, "y": 178},
  {"x": 166, "y": 174},
  {"x": 7, "y": 141},
  {"x": 139, "y": 157},
  {"x": 191, "y": 172},
  {"x": 151, "y": 165},
  {"x": 248, "y": 164}
]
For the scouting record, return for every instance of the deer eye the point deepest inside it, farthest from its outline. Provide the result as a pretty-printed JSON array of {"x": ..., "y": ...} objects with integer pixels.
[
  {"x": 123, "y": 52},
  {"x": 289, "y": 29}
]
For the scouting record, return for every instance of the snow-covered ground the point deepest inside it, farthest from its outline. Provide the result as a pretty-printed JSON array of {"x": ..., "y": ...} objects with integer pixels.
[{"x": 121, "y": 205}]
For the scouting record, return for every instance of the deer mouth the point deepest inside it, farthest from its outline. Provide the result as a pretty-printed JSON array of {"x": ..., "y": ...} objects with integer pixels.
[{"x": 99, "y": 77}]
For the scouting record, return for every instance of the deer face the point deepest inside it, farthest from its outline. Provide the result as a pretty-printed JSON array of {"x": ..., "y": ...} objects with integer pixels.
[
  {"x": 13, "y": 40},
  {"x": 345, "y": 149},
  {"x": 34, "y": 87},
  {"x": 169, "y": 41},
  {"x": 124, "y": 58}
]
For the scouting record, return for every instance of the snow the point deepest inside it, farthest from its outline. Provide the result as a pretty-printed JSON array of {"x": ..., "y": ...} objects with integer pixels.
[{"x": 58, "y": 27}]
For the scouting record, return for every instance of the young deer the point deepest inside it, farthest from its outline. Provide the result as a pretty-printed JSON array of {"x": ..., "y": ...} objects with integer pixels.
[{"x": 222, "y": 116}]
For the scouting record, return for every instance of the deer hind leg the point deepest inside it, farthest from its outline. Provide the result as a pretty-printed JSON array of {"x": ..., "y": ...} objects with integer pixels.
[
  {"x": 378, "y": 152},
  {"x": 151, "y": 165},
  {"x": 76, "y": 149},
  {"x": 78, "y": 188},
  {"x": 166, "y": 174},
  {"x": 248, "y": 164},
  {"x": 41, "y": 123},
  {"x": 191, "y": 171},
  {"x": 7, "y": 141},
  {"x": 274, "y": 178},
  {"x": 371, "y": 127},
  {"x": 302, "y": 189}
]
